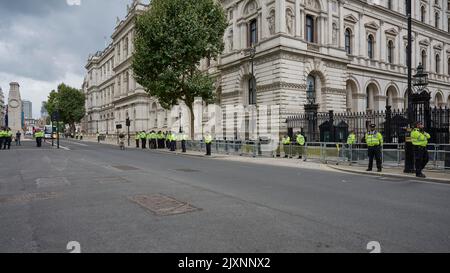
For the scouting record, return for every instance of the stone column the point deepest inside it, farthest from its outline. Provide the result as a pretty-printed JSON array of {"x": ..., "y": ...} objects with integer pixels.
[
  {"x": 280, "y": 16},
  {"x": 297, "y": 18}
]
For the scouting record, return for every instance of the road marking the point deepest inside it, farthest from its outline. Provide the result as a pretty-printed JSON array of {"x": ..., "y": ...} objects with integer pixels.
[
  {"x": 65, "y": 148},
  {"x": 76, "y": 143}
]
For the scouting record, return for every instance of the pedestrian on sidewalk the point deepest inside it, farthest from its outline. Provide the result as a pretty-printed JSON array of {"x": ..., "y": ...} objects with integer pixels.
[
  {"x": 374, "y": 141},
  {"x": 39, "y": 135},
  {"x": 183, "y": 138},
  {"x": 420, "y": 141},
  {"x": 286, "y": 145},
  {"x": 18, "y": 135}
]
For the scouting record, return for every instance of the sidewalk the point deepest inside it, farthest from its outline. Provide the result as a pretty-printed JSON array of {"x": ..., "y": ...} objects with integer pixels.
[{"x": 395, "y": 172}]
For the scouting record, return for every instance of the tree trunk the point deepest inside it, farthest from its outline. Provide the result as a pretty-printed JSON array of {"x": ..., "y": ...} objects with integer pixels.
[{"x": 191, "y": 110}]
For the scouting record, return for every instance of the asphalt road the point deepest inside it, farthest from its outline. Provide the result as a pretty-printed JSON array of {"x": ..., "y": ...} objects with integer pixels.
[{"x": 84, "y": 193}]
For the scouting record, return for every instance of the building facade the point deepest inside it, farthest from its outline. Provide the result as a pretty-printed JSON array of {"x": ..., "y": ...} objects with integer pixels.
[
  {"x": 2, "y": 108},
  {"x": 27, "y": 108},
  {"x": 112, "y": 94},
  {"x": 349, "y": 54}
]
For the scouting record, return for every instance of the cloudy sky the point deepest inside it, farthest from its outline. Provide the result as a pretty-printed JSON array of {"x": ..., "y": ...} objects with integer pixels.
[{"x": 46, "y": 42}]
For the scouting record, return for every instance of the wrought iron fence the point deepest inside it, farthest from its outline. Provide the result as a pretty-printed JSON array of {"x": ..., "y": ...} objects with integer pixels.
[{"x": 335, "y": 127}]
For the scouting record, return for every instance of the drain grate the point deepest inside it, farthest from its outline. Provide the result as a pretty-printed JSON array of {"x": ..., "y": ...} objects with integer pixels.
[
  {"x": 111, "y": 180},
  {"x": 163, "y": 205},
  {"x": 52, "y": 182},
  {"x": 125, "y": 168},
  {"x": 29, "y": 197},
  {"x": 187, "y": 170}
]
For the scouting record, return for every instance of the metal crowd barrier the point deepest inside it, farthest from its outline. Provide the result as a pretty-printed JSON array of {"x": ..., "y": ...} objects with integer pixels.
[{"x": 393, "y": 154}]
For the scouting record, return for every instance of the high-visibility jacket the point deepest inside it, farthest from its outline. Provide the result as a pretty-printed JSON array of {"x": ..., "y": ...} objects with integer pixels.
[
  {"x": 182, "y": 137},
  {"x": 143, "y": 135},
  {"x": 39, "y": 134},
  {"x": 160, "y": 136},
  {"x": 419, "y": 139},
  {"x": 300, "y": 139},
  {"x": 2, "y": 133},
  {"x": 286, "y": 140},
  {"x": 9, "y": 134},
  {"x": 351, "y": 139},
  {"x": 208, "y": 139},
  {"x": 374, "y": 139}
]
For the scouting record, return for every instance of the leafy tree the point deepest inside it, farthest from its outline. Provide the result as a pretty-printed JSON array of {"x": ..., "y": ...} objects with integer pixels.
[
  {"x": 69, "y": 102},
  {"x": 172, "y": 37}
]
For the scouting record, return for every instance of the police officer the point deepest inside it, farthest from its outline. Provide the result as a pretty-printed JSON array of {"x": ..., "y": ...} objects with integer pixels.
[
  {"x": 183, "y": 138},
  {"x": 420, "y": 141},
  {"x": 143, "y": 137},
  {"x": 160, "y": 137},
  {"x": 98, "y": 137},
  {"x": 286, "y": 144},
  {"x": 208, "y": 141},
  {"x": 39, "y": 135},
  {"x": 137, "y": 137},
  {"x": 2, "y": 137},
  {"x": 300, "y": 139},
  {"x": 153, "y": 139},
  {"x": 9, "y": 136},
  {"x": 167, "y": 139},
  {"x": 351, "y": 140},
  {"x": 172, "y": 142},
  {"x": 374, "y": 141}
]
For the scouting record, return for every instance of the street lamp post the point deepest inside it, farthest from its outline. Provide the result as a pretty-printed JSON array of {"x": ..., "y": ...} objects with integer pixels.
[{"x": 409, "y": 153}]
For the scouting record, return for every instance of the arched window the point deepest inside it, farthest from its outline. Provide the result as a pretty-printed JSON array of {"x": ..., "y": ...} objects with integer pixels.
[
  {"x": 348, "y": 41},
  {"x": 370, "y": 43},
  {"x": 422, "y": 14},
  {"x": 390, "y": 52},
  {"x": 311, "y": 89},
  {"x": 252, "y": 91},
  {"x": 436, "y": 20},
  {"x": 253, "y": 33},
  {"x": 424, "y": 59},
  {"x": 438, "y": 64},
  {"x": 310, "y": 29}
]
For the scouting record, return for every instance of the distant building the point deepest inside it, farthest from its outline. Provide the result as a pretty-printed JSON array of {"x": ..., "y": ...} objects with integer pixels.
[{"x": 27, "y": 108}]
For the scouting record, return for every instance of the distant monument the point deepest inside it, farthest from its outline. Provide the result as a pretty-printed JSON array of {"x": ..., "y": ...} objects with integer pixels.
[{"x": 14, "y": 108}]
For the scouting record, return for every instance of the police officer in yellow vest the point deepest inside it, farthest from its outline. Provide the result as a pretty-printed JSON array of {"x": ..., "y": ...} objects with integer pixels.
[
  {"x": 300, "y": 139},
  {"x": 8, "y": 139},
  {"x": 208, "y": 141},
  {"x": 374, "y": 141},
  {"x": 143, "y": 137},
  {"x": 351, "y": 140},
  {"x": 160, "y": 137},
  {"x": 2, "y": 136},
  {"x": 39, "y": 135},
  {"x": 420, "y": 139},
  {"x": 137, "y": 137},
  {"x": 286, "y": 141},
  {"x": 182, "y": 137}
]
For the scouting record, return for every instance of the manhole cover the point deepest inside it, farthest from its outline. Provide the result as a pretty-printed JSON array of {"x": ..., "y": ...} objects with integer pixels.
[
  {"x": 125, "y": 168},
  {"x": 29, "y": 197},
  {"x": 52, "y": 182},
  {"x": 111, "y": 180},
  {"x": 163, "y": 205},
  {"x": 187, "y": 170}
]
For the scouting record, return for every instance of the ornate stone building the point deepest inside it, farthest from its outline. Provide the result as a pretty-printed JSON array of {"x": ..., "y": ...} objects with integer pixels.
[
  {"x": 112, "y": 94},
  {"x": 2, "y": 108},
  {"x": 351, "y": 55}
]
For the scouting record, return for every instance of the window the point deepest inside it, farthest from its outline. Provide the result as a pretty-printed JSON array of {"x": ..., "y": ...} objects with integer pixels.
[
  {"x": 311, "y": 88},
  {"x": 253, "y": 33},
  {"x": 438, "y": 64},
  {"x": 348, "y": 41},
  {"x": 310, "y": 29},
  {"x": 370, "y": 43},
  {"x": 390, "y": 52},
  {"x": 252, "y": 91},
  {"x": 424, "y": 59},
  {"x": 422, "y": 14},
  {"x": 436, "y": 20}
]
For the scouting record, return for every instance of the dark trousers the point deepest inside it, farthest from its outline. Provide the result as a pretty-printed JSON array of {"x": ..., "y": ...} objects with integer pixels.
[
  {"x": 137, "y": 143},
  {"x": 39, "y": 141},
  {"x": 375, "y": 151},
  {"x": 173, "y": 146},
  {"x": 421, "y": 158},
  {"x": 2, "y": 140},
  {"x": 167, "y": 144},
  {"x": 153, "y": 144},
  {"x": 183, "y": 146},
  {"x": 7, "y": 143},
  {"x": 208, "y": 148},
  {"x": 144, "y": 143}
]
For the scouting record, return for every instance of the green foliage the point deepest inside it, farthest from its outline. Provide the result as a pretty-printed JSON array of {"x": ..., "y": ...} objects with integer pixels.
[
  {"x": 69, "y": 102},
  {"x": 171, "y": 39}
]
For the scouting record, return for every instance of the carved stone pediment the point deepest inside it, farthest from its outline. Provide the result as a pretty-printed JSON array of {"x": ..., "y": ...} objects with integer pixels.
[
  {"x": 251, "y": 7},
  {"x": 424, "y": 42},
  {"x": 351, "y": 19},
  {"x": 391, "y": 31},
  {"x": 312, "y": 4},
  {"x": 372, "y": 25},
  {"x": 438, "y": 47}
]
